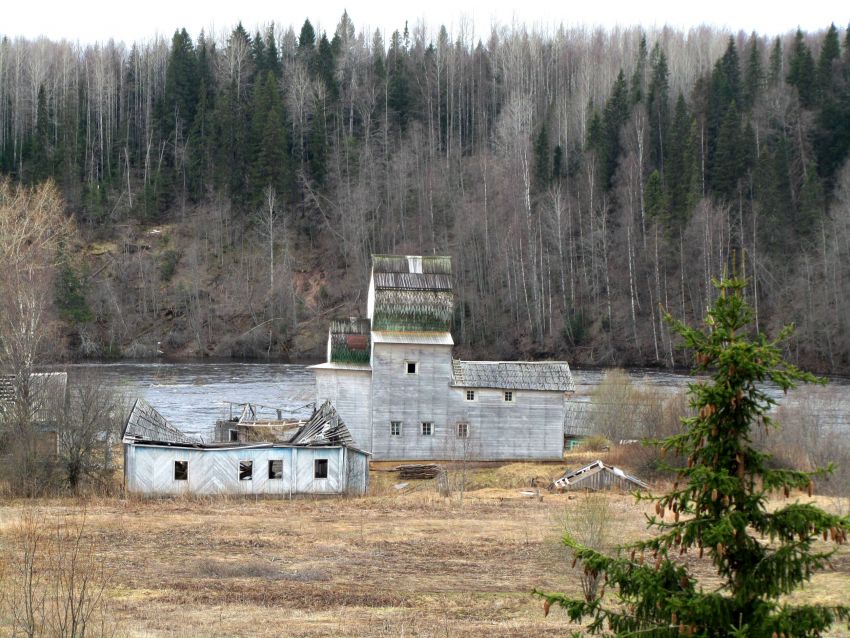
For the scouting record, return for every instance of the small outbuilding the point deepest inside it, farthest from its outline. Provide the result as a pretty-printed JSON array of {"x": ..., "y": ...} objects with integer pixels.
[
  {"x": 598, "y": 476},
  {"x": 318, "y": 459}
]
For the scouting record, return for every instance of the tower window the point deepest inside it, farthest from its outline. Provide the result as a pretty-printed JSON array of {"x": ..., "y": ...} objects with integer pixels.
[{"x": 410, "y": 367}]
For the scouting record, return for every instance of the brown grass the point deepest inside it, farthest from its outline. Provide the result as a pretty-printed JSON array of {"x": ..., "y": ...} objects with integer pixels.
[{"x": 391, "y": 564}]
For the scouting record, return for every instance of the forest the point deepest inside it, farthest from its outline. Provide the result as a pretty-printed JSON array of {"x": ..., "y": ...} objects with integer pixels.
[{"x": 227, "y": 190}]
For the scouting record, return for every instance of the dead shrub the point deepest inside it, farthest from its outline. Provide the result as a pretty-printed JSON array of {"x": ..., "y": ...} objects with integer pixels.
[
  {"x": 809, "y": 436},
  {"x": 54, "y": 584}
]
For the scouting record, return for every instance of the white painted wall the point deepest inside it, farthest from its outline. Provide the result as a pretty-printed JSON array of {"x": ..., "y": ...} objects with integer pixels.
[{"x": 149, "y": 470}]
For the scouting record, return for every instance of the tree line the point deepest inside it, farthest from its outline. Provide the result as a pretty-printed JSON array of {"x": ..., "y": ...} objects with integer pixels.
[{"x": 584, "y": 181}]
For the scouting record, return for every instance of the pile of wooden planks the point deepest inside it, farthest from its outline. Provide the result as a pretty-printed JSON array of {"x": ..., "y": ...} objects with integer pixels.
[{"x": 407, "y": 472}]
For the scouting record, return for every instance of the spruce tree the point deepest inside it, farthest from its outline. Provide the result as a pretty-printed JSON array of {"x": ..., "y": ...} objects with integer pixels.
[
  {"x": 718, "y": 508},
  {"x": 801, "y": 71},
  {"x": 754, "y": 75},
  {"x": 658, "y": 108}
]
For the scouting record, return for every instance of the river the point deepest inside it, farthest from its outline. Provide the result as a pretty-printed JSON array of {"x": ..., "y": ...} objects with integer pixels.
[{"x": 193, "y": 396}]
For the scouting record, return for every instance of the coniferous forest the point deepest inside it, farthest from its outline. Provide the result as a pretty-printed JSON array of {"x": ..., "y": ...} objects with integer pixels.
[{"x": 228, "y": 189}]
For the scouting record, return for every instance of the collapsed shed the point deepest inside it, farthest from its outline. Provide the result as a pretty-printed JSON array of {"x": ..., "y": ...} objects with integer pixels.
[
  {"x": 319, "y": 459},
  {"x": 598, "y": 476}
]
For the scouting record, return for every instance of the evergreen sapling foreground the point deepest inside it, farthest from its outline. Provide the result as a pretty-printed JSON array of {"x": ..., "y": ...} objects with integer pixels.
[{"x": 718, "y": 508}]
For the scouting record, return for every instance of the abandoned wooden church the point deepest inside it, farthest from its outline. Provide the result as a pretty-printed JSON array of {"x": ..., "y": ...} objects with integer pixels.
[{"x": 393, "y": 379}]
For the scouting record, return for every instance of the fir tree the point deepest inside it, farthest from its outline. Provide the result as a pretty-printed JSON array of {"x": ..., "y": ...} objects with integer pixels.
[
  {"x": 718, "y": 507},
  {"x": 636, "y": 90},
  {"x": 830, "y": 53},
  {"x": 801, "y": 71},
  {"x": 754, "y": 76},
  {"x": 42, "y": 151},
  {"x": 775, "y": 63},
  {"x": 180, "y": 97},
  {"x": 542, "y": 158},
  {"x": 658, "y": 107},
  {"x": 729, "y": 157},
  {"x": 678, "y": 173}
]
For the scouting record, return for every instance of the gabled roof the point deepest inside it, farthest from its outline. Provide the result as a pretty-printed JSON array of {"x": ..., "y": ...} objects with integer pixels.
[
  {"x": 577, "y": 476},
  {"x": 412, "y": 293},
  {"x": 513, "y": 375}
]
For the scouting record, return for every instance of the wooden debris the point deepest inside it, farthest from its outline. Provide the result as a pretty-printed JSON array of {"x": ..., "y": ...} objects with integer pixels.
[{"x": 429, "y": 471}]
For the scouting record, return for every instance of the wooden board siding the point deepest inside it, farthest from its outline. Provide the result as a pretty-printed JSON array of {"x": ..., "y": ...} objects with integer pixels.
[
  {"x": 411, "y": 399},
  {"x": 350, "y": 393},
  {"x": 529, "y": 427},
  {"x": 149, "y": 470}
]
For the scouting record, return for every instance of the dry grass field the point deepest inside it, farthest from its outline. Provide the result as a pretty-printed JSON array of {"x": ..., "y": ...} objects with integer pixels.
[{"x": 394, "y": 563}]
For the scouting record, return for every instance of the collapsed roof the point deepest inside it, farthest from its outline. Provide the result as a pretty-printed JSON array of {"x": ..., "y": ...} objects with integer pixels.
[
  {"x": 146, "y": 425},
  {"x": 584, "y": 477}
]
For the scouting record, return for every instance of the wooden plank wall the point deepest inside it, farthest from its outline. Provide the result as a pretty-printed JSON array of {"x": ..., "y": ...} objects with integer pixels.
[
  {"x": 150, "y": 470},
  {"x": 529, "y": 427},
  {"x": 411, "y": 399},
  {"x": 349, "y": 391}
]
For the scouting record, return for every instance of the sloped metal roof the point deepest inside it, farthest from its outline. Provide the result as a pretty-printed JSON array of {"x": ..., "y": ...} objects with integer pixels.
[
  {"x": 420, "y": 338},
  {"x": 513, "y": 375},
  {"x": 340, "y": 365}
]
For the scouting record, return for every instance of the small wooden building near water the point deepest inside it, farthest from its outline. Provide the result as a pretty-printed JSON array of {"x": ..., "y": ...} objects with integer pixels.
[
  {"x": 598, "y": 476},
  {"x": 318, "y": 459}
]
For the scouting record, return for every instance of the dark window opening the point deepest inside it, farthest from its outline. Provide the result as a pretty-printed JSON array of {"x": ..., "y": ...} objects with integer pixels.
[
  {"x": 509, "y": 396},
  {"x": 246, "y": 470},
  {"x": 395, "y": 428},
  {"x": 234, "y": 436},
  {"x": 411, "y": 367},
  {"x": 321, "y": 468},
  {"x": 427, "y": 428},
  {"x": 276, "y": 469},
  {"x": 470, "y": 395},
  {"x": 181, "y": 470}
]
